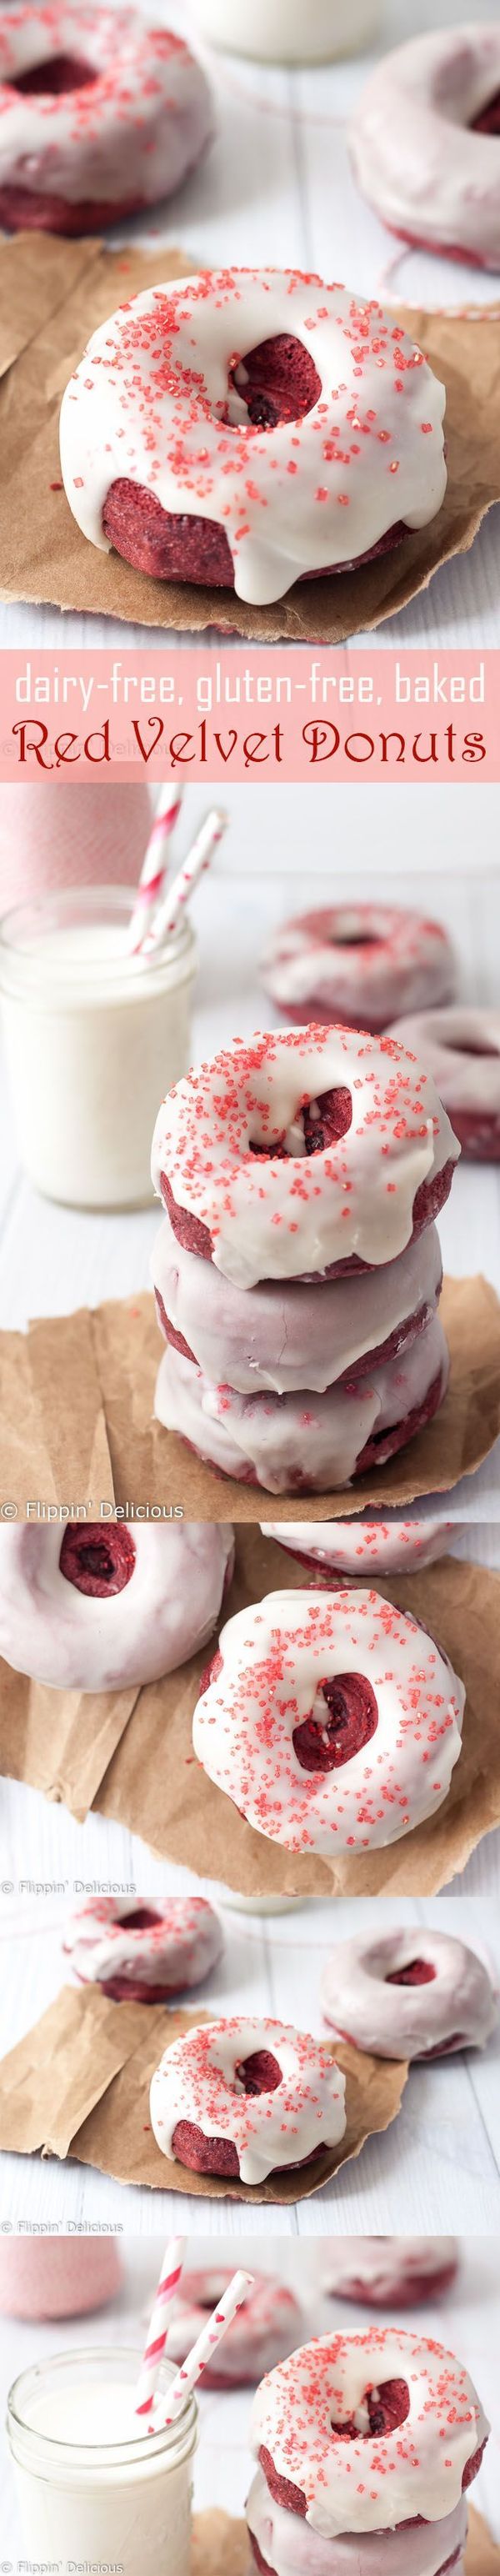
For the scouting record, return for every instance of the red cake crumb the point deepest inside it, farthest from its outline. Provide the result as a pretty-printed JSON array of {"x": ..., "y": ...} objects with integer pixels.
[
  {"x": 353, "y": 1720},
  {"x": 98, "y": 1562}
]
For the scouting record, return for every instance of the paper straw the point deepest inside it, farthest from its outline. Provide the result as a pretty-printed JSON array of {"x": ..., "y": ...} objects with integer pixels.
[
  {"x": 179, "y": 894},
  {"x": 171, "y": 2400},
  {"x": 154, "y": 866},
  {"x": 158, "y": 2329}
]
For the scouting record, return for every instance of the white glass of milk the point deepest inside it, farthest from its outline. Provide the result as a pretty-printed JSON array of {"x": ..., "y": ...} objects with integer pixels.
[
  {"x": 288, "y": 31},
  {"x": 94, "y": 1037},
  {"x": 93, "y": 2490}
]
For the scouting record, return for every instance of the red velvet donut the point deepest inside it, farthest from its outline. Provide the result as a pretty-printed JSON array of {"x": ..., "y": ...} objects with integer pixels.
[
  {"x": 100, "y": 115},
  {"x": 358, "y": 964}
]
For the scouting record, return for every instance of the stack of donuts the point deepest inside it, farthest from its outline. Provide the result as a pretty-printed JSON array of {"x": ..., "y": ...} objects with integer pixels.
[
  {"x": 297, "y": 1272},
  {"x": 366, "y": 2445}
]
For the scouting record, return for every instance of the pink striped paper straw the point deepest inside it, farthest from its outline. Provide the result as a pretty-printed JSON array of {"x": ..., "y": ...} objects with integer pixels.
[
  {"x": 179, "y": 893},
  {"x": 170, "y": 2401},
  {"x": 154, "y": 866},
  {"x": 153, "y": 2356}
]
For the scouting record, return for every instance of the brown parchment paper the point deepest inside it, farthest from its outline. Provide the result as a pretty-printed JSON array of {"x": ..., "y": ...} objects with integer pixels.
[
  {"x": 53, "y": 294},
  {"x": 154, "y": 1785},
  {"x": 78, "y": 2086},
  {"x": 220, "y": 2547},
  {"x": 77, "y": 1423}
]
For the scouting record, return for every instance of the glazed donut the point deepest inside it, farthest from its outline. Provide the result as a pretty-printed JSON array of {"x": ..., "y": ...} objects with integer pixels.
[
  {"x": 297, "y": 1153},
  {"x": 58, "y": 2276},
  {"x": 307, "y": 1719},
  {"x": 106, "y": 1607},
  {"x": 99, "y": 115},
  {"x": 247, "y": 2099},
  {"x": 412, "y": 2402},
  {"x": 389, "y": 2271},
  {"x": 306, "y": 1444},
  {"x": 425, "y": 142},
  {"x": 247, "y": 427},
  {"x": 260, "y": 2333},
  {"x": 357, "y": 964},
  {"x": 461, "y": 1049},
  {"x": 137, "y": 1954},
  {"x": 283, "y": 2545},
  {"x": 334, "y": 1549},
  {"x": 409, "y": 1993},
  {"x": 288, "y": 1335}
]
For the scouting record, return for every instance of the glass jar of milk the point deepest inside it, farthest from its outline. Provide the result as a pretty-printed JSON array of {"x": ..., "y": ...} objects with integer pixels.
[
  {"x": 288, "y": 31},
  {"x": 93, "y": 2490},
  {"x": 94, "y": 1037}
]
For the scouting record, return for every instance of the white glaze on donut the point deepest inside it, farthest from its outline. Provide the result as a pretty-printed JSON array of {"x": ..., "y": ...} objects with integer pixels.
[
  {"x": 461, "y": 1049},
  {"x": 414, "y": 155},
  {"x": 380, "y": 2269},
  {"x": 291, "y": 2548},
  {"x": 197, "y": 2081},
  {"x": 280, "y": 1217},
  {"x": 366, "y": 1546},
  {"x": 178, "y": 1950},
  {"x": 74, "y": 1641},
  {"x": 360, "y": 962},
  {"x": 302, "y": 1443},
  {"x": 288, "y": 1335},
  {"x": 129, "y": 136},
  {"x": 275, "y": 1658},
  {"x": 267, "y": 2326},
  {"x": 151, "y": 400},
  {"x": 459, "y": 2002},
  {"x": 375, "y": 2484}
]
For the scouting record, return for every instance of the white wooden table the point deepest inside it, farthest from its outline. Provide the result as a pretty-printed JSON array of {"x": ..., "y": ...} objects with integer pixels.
[
  {"x": 437, "y": 2167},
  {"x": 276, "y": 190},
  {"x": 467, "y": 2321},
  {"x": 278, "y": 855}
]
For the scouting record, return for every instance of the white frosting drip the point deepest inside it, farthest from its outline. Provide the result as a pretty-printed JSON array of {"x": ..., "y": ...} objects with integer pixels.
[
  {"x": 283, "y": 1217},
  {"x": 412, "y": 150},
  {"x": 275, "y": 1659},
  {"x": 382, "y": 2267},
  {"x": 375, "y": 2483},
  {"x": 466, "y": 1082},
  {"x": 177, "y": 1951},
  {"x": 460, "y": 2001},
  {"x": 402, "y": 963},
  {"x": 130, "y": 135},
  {"x": 77, "y": 1641},
  {"x": 151, "y": 400},
  {"x": 197, "y": 2081},
  {"x": 287, "y": 1336},
  {"x": 366, "y": 1545},
  {"x": 287, "y": 31},
  {"x": 291, "y": 2548},
  {"x": 303, "y": 1442}
]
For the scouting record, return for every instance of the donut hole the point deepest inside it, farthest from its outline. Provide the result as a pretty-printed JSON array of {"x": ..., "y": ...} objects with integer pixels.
[
  {"x": 277, "y": 381},
  {"x": 470, "y": 1046},
  {"x": 417, "y": 1973},
  {"x": 318, "y": 1124},
  {"x": 96, "y": 1561},
  {"x": 62, "y": 72},
  {"x": 259, "y": 2073},
  {"x": 142, "y": 1918},
  {"x": 489, "y": 120},
  {"x": 386, "y": 2407},
  {"x": 324, "y": 1741}
]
